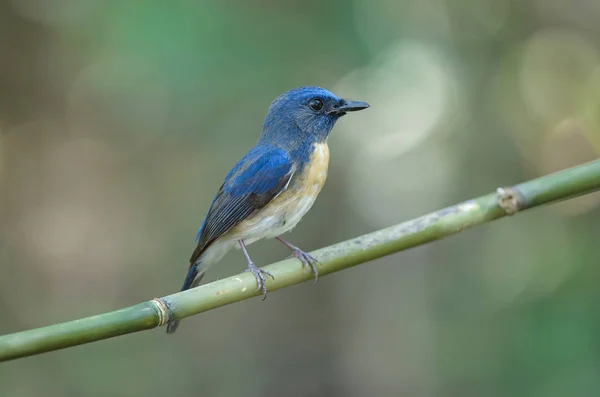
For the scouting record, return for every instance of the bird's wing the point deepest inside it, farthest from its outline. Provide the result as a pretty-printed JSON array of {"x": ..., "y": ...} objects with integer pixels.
[{"x": 261, "y": 175}]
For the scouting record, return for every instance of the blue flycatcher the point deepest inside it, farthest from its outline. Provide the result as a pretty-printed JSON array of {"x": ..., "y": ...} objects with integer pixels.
[{"x": 274, "y": 185}]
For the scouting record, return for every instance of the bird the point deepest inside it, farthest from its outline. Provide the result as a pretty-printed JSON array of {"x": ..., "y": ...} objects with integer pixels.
[{"x": 273, "y": 186}]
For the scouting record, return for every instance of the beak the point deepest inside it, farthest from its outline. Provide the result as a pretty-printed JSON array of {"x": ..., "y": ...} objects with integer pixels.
[{"x": 349, "y": 106}]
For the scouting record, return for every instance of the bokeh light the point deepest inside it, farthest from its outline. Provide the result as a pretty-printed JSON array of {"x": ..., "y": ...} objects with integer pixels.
[
  {"x": 556, "y": 68},
  {"x": 410, "y": 88}
]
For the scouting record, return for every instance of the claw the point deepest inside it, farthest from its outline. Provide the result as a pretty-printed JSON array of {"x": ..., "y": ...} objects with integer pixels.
[
  {"x": 308, "y": 261},
  {"x": 259, "y": 275}
]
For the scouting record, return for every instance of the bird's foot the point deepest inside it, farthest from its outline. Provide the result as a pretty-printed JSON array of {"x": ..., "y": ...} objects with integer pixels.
[
  {"x": 307, "y": 260},
  {"x": 259, "y": 275}
]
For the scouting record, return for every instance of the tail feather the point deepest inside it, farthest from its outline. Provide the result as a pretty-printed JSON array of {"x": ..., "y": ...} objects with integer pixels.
[{"x": 193, "y": 278}]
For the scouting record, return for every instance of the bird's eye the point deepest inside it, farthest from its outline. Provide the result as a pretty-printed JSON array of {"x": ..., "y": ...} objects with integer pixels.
[{"x": 316, "y": 104}]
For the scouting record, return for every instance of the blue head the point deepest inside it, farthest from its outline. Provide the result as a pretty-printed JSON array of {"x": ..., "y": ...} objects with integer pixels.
[{"x": 304, "y": 115}]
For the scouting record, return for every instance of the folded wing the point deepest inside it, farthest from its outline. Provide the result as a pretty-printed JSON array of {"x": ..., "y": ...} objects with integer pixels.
[{"x": 262, "y": 174}]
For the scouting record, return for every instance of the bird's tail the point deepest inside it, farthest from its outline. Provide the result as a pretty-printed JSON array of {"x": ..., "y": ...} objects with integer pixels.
[{"x": 193, "y": 278}]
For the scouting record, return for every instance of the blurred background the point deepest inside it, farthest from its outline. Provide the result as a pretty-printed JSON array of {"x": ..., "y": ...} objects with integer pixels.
[{"x": 119, "y": 120}]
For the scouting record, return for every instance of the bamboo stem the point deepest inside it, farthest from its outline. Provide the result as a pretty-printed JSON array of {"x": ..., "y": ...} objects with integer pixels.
[{"x": 505, "y": 201}]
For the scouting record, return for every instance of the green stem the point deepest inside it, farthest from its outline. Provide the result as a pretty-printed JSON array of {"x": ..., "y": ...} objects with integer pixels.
[{"x": 561, "y": 185}]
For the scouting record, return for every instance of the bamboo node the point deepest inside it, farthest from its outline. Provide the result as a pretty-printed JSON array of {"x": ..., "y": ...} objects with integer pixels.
[
  {"x": 163, "y": 311},
  {"x": 509, "y": 200}
]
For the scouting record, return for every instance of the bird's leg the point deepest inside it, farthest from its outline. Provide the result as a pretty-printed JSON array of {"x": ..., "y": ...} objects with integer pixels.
[
  {"x": 306, "y": 259},
  {"x": 259, "y": 273}
]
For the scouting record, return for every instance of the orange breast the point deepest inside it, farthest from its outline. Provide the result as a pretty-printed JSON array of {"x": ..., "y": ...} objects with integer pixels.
[{"x": 315, "y": 174}]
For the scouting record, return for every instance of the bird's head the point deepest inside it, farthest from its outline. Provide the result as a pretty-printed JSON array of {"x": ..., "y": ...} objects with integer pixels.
[{"x": 306, "y": 114}]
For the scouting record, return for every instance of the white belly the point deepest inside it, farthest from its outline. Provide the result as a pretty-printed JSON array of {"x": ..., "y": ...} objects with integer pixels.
[
  {"x": 270, "y": 223},
  {"x": 265, "y": 226}
]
